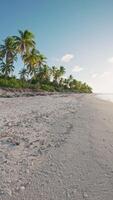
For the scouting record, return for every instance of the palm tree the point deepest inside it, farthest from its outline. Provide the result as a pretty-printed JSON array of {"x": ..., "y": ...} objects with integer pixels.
[
  {"x": 70, "y": 78},
  {"x": 1, "y": 55},
  {"x": 53, "y": 71},
  {"x": 73, "y": 84},
  {"x": 57, "y": 73},
  {"x": 7, "y": 56},
  {"x": 6, "y": 69},
  {"x": 79, "y": 85},
  {"x": 57, "y": 76},
  {"x": 25, "y": 42},
  {"x": 62, "y": 70},
  {"x": 33, "y": 60},
  {"x": 66, "y": 83},
  {"x": 8, "y": 50},
  {"x": 61, "y": 82},
  {"x": 41, "y": 60},
  {"x": 43, "y": 73},
  {"x": 23, "y": 74}
]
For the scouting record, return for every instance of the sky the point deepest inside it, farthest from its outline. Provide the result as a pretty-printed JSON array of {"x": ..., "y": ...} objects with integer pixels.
[{"x": 77, "y": 34}]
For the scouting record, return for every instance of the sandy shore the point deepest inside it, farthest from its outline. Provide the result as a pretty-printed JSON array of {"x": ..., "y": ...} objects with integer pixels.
[
  {"x": 57, "y": 147},
  {"x": 12, "y": 92}
]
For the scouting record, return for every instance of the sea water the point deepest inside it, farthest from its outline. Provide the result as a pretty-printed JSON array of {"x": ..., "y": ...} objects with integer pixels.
[{"x": 107, "y": 97}]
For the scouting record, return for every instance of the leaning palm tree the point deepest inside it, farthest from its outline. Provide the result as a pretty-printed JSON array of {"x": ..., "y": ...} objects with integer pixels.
[
  {"x": 8, "y": 50},
  {"x": 25, "y": 42}
]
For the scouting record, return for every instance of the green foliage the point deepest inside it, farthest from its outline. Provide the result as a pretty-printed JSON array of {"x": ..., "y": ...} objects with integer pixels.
[
  {"x": 35, "y": 74},
  {"x": 13, "y": 83},
  {"x": 48, "y": 88}
]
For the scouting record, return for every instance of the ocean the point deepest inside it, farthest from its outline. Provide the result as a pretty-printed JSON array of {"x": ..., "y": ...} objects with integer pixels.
[{"x": 107, "y": 97}]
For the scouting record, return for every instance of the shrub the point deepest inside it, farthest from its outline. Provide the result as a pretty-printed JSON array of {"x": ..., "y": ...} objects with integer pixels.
[{"x": 48, "y": 88}]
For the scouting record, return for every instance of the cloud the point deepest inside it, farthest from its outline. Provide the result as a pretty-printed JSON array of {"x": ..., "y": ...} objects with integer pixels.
[
  {"x": 77, "y": 68},
  {"x": 67, "y": 58},
  {"x": 110, "y": 60}
]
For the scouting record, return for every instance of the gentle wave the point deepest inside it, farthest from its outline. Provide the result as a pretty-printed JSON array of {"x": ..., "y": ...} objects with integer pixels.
[{"x": 107, "y": 97}]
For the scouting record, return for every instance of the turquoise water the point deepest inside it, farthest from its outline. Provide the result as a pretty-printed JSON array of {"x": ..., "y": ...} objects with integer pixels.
[{"x": 107, "y": 97}]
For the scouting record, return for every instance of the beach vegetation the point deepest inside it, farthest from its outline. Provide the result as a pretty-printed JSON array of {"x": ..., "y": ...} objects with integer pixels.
[{"x": 35, "y": 72}]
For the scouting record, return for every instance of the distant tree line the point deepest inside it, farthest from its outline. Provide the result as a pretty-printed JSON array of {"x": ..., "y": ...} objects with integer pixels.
[{"x": 35, "y": 73}]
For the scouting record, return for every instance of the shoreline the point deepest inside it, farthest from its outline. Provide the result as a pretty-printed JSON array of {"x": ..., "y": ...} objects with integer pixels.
[
  {"x": 105, "y": 97},
  {"x": 11, "y": 93}
]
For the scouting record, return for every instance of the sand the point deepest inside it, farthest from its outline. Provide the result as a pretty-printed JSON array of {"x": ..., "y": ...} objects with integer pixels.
[{"x": 57, "y": 147}]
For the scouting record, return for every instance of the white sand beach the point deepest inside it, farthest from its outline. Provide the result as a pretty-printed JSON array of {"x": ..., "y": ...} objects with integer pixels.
[{"x": 57, "y": 147}]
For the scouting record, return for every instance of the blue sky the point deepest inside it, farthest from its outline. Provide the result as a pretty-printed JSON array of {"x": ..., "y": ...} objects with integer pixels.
[{"x": 75, "y": 33}]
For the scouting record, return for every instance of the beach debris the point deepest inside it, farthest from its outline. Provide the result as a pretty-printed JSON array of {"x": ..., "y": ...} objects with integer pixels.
[
  {"x": 14, "y": 141},
  {"x": 22, "y": 187},
  {"x": 1, "y": 192},
  {"x": 42, "y": 141},
  {"x": 85, "y": 195}
]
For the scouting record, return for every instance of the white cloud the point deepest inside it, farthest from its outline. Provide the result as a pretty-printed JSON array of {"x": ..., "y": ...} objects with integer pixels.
[
  {"x": 77, "y": 69},
  {"x": 110, "y": 60},
  {"x": 67, "y": 58}
]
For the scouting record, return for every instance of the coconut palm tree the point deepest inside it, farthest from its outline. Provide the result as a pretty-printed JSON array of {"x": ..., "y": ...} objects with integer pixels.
[
  {"x": 25, "y": 42},
  {"x": 23, "y": 74},
  {"x": 53, "y": 71},
  {"x": 41, "y": 60},
  {"x": 57, "y": 73},
  {"x": 62, "y": 70},
  {"x": 70, "y": 78},
  {"x": 44, "y": 73},
  {"x": 6, "y": 69},
  {"x": 8, "y": 50},
  {"x": 7, "y": 56},
  {"x": 61, "y": 82},
  {"x": 72, "y": 83},
  {"x": 33, "y": 60},
  {"x": 79, "y": 85},
  {"x": 66, "y": 83},
  {"x": 1, "y": 55},
  {"x": 57, "y": 76}
]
